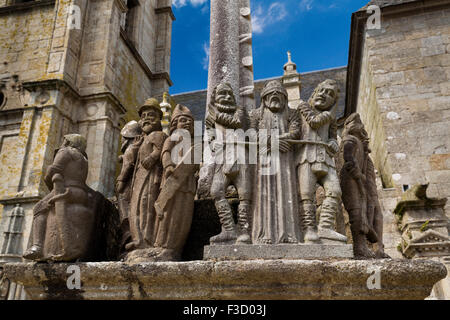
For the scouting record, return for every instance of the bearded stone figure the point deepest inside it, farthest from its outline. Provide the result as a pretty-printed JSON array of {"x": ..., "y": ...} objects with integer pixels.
[
  {"x": 315, "y": 161},
  {"x": 64, "y": 220},
  {"x": 360, "y": 198},
  {"x": 224, "y": 116},
  {"x": 146, "y": 177},
  {"x": 175, "y": 204},
  {"x": 275, "y": 218}
]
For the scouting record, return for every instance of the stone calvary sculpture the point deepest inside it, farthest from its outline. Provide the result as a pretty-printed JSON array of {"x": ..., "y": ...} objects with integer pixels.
[
  {"x": 157, "y": 184},
  {"x": 315, "y": 163},
  {"x": 275, "y": 218},
  {"x": 175, "y": 203},
  {"x": 147, "y": 176},
  {"x": 360, "y": 198},
  {"x": 66, "y": 221},
  {"x": 123, "y": 182},
  {"x": 224, "y": 116}
]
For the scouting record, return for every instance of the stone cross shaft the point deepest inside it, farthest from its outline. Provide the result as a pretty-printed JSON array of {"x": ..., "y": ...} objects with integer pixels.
[{"x": 231, "y": 58}]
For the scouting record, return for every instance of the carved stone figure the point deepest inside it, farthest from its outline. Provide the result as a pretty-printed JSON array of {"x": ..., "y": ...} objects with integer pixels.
[
  {"x": 146, "y": 177},
  {"x": 223, "y": 117},
  {"x": 315, "y": 163},
  {"x": 175, "y": 204},
  {"x": 64, "y": 220},
  {"x": 275, "y": 218},
  {"x": 358, "y": 181},
  {"x": 123, "y": 185}
]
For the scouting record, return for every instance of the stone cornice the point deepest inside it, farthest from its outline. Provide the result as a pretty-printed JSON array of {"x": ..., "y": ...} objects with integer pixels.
[
  {"x": 166, "y": 10},
  {"x": 58, "y": 84},
  {"x": 357, "y": 33},
  {"x": 26, "y": 6}
]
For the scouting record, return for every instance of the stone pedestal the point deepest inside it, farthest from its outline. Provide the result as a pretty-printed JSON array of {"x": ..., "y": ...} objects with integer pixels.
[
  {"x": 278, "y": 251},
  {"x": 255, "y": 279}
]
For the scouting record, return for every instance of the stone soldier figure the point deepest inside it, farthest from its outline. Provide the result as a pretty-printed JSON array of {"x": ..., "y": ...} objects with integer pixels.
[
  {"x": 123, "y": 185},
  {"x": 316, "y": 164},
  {"x": 224, "y": 115},
  {"x": 275, "y": 218},
  {"x": 63, "y": 221},
  {"x": 360, "y": 196},
  {"x": 175, "y": 204},
  {"x": 146, "y": 177}
]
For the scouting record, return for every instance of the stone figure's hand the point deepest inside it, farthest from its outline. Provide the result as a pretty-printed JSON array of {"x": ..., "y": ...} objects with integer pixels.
[
  {"x": 349, "y": 165},
  {"x": 148, "y": 163},
  {"x": 284, "y": 146},
  {"x": 120, "y": 186},
  {"x": 333, "y": 146},
  {"x": 169, "y": 171}
]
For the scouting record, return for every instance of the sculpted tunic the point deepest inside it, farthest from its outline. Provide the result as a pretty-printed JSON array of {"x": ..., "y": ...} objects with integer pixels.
[{"x": 145, "y": 189}]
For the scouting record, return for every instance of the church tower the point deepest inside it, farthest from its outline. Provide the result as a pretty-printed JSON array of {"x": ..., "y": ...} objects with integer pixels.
[{"x": 73, "y": 66}]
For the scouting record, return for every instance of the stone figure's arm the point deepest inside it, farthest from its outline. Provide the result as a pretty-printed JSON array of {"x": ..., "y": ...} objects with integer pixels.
[
  {"x": 157, "y": 139},
  {"x": 371, "y": 180},
  {"x": 332, "y": 134},
  {"x": 295, "y": 129},
  {"x": 128, "y": 164},
  {"x": 61, "y": 158},
  {"x": 350, "y": 164},
  {"x": 210, "y": 124},
  {"x": 166, "y": 157},
  {"x": 314, "y": 119}
]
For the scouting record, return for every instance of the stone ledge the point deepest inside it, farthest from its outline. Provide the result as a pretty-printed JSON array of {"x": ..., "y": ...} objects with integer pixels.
[
  {"x": 256, "y": 279},
  {"x": 278, "y": 251}
]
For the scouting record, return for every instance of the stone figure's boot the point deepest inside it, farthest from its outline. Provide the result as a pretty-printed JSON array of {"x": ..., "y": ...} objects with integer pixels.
[
  {"x": 327, "y": 221},
  {"x": 360, "y": 249},
  {"x": 308, "y": 219},
  {"x": 228, "y": 234},
  {"x": 36, "y": 250},
  {"x": 244, "y": 222}
]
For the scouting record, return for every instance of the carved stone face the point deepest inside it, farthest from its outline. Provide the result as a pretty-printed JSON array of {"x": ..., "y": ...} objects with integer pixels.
[
  {"x": 186, "y": 123},
  {"x": 150, "y": 120},
  {"x": 275, "y": 101},
  {"x": 225, "y": 98},
  {"x": 324, "y": 98}
]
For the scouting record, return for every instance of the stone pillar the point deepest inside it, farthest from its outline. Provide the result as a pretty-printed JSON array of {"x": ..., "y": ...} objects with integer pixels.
[
  {"x": 292, "y": 83},
  {"x": 425, "y": 232},
  {"x": 246, "y": 85},
  {"x": 224, "y": 45}
]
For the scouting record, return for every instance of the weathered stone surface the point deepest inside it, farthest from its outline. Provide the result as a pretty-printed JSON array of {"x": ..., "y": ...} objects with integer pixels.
[
  {"x": 278, "y": 251},
  {"x": 271, "y": 279}
]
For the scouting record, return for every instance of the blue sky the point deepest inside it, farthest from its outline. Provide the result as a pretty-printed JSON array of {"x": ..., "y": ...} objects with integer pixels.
[{"x": 317, "y": 32}]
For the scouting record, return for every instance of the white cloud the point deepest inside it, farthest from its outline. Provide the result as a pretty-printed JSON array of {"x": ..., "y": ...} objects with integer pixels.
[
  {"x": 182, "y": 3},
  {"x": 306, "y": 5},
  {"x": 205, "y": 61},
  {"x": 261, "y": 18}
]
